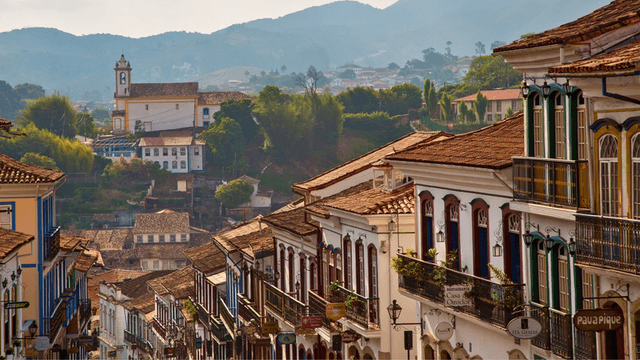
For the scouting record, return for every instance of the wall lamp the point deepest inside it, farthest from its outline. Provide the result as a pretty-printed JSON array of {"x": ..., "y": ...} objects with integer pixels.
[
  {"x": 528, "y": 236},
  {"x": 394, "y": 313}
]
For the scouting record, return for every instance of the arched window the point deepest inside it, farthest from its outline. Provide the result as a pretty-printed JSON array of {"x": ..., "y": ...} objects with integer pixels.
[
  {"x": 561, "y": 290},
  {"x": 635, "y": 168},
  {"x": 183, "y": 151},
  {"x": 291, "y": 274},
  {"x": 174, "y": 151},
  {"x": 325, "y": 270},
  {"x": 373, "y": 271},
  {"x": 348, "y": 276},
  {"x": 541, "y": 270},
  {"x": 205, "y": 111},
  {"x": 427, "y": 226},
  {"x": 165, "y": 165},
  {"x": 559, "y": 121},
  {"x": 481, "y": 243},
  {"x": 156, "y": 151},
  {"x": 537, "y": 125},
  {"x": 313, "y": 283},
  {"x": 452, "y": 214},
  {"x": 360, "y": 267},
  {"x": 609, "y": 200},
  {"x": 338, "y": 262},
  {"x": 282, "y": 274},
  {"x": 582, "y": 128},
  {"x": 511, "y": 241},
  {"x": 123, "y": 78},
  {"x": 303, "y": 278},
  {"x": 196, "y": 150}
]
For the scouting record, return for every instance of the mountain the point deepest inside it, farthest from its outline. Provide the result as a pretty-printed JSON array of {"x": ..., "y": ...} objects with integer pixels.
[{"x": 325, "y": 36}]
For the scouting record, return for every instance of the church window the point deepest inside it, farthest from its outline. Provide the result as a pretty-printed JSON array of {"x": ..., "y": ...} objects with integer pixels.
[{"x": 123, "y": 78}]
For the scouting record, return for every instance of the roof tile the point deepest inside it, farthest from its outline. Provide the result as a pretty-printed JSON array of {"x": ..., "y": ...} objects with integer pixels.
[
  {"x": 16, "y": 172},
  {"x": 624, "y": 58},
  {"x": 189, "y": 89}
]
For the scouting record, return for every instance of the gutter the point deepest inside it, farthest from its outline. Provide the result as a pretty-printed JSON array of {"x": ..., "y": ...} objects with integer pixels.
[{"x": 618, "y": 96}]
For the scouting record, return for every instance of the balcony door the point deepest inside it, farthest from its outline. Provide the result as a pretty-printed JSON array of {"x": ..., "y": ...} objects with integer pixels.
[
  {"x": 609, "y": 195},
  {"x": 481, "y": 243}
]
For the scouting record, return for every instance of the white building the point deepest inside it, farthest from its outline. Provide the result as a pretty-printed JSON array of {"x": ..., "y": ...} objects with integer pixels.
[
  {"x": 164, "y": 226},
  {"x": 178, "y": 154}
]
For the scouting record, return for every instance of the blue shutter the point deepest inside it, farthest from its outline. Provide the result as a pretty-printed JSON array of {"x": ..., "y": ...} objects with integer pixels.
[{"x": 483, "y": 252}]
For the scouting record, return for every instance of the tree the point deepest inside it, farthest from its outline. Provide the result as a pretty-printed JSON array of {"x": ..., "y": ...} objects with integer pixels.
[
  {"x": 284, "y": 69},
  {"x": 225, "y": 140},
  {"x": 509, "y": 112},
  {"x": 348, "y": 74},
  {"x": 247, "y": 74},
  {"x": 10, "y": 102},
  {"x": 480, "y": 105},
  {"x": 359, "y": 100},
  {"x": 263, "y": 73},
  {"x": 497, "y": 44},
  {"x": 490, "y": 72},
  {"x": 448, "y": 48},
  {"x": 85, "y": 125},
  {"x": 39, "y": 160},
  {"x": 327, "y": 124},
  {"x": 240, "y": 111},
  {"x": 310, "y": 81},
  {"x": 445, "y": 107},
  {"x": 235, "y": 193},
  {"x": 53, "y": 112},
  {"x": 29, "y": 91},
  {"x": 101, "y": 114},
  {"x": 462, "y": 111},
  {"x": 480, "y": 48},
  {"x": 393, "y": 66},
  {"x": 433, "y": 101}
]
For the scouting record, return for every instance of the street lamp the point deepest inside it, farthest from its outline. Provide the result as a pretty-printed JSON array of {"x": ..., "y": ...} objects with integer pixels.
[
  {"x": 394, "y": 311},
  {"x": 546, "y": 90},
  {"x": 33, "y": 329},
  {"x": 525, "y": 89}
]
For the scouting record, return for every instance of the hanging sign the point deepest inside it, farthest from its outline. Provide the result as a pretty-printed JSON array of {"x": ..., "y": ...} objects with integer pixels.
[
  {"x": 16, "y": 305},
  {"x": 524, "y": 327},
  {"x": 112, "y": 353},
  {"x": 42, "y": 343},
  {"x": 598, "y": 319},
  {"x": 303, "y": 331},
  {"x": 311, "y": 322},
  {"x": 262, "y": 342},
  {"x": 250, "y": 330},
  {"x": 270, "y": 327},
  {"x": 336, "y": 311},
  {"x": 350, "y": 336},
  {"x": 286, "y": 339},
  {"x": 444, "y": 331},
  {"x": 454, "y": 295}
]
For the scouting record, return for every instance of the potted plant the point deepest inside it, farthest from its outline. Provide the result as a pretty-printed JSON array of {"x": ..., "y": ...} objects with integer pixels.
[
  {"x": 512, "y": 296},
  {"x": 334, "y": 287},
  {"x": 352, "y": 300},
  {"x": 8, "y": 351}
]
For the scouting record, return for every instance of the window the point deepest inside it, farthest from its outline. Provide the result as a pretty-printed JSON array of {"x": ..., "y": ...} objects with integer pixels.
[
  {"x": 150, "y": 238},
  {"x": 183, "y": 164},
  {"x": 609, "y": 175},
  {"x": 146, "y": 107},
  {"x": 161, "y": 238},
  {"x": 489, "y": 106},
  {"x": 165, "y": 165},
  {"x": 338, "y": 262},
  {"x": 139, "y": 238},
  {"x": 559, "y": 126},
  {"x": 123, "y": 78},
  {"x": 145, "y": 265},
  {"x": 303, "y": 278},
  {"x": 635, "y": 168},
  {"x": 282, "y": 261},
  {"x": 427, "y": 226},
  {"x": 205, "y": 123},
  {"x": 537, "y": 126},
  {"x": 582, "y": 129},
  {"x": 196, "y": 150},
  {"x": 174, "y": 164},
  {"x": 373, "y": 271},
  {"x": 172, "y": 237},
  {"x": 165, "y": 152},
  {"x": 183, "y": 237},
  {"x": 587, "y": 290},
  {"x": 360, "y": 267},
  {"x": 205, "y": 112},
  {"x": 174, "y": 151},
  {"x": 489, "y": 118},
  {"x": 498, "y": 106},
  {"x": 563, "y": 279},
  {"x": 165, "y": 265},
  {"x": 514, "y": 105},
  {"x": 147, "y": 152},
  {"x": 481, "y": 250},
  {"x": 156, "y": 151},
  {"x": 177, "y": 106},
  {"x": 542, "y": 272},
  {"x": 498, "y": 117},
  {"x": 348, "y": 275},
  {"x": 453, "y": 230},
  {"x": 183, "y": 151},
  {"x": 511, "y": 244},
  {"x": 156, "y": 265},
  {"x": 6, "y": 216}
]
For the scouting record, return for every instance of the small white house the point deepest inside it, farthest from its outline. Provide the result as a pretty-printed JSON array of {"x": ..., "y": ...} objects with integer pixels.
[{"x": 178, "y": 154}]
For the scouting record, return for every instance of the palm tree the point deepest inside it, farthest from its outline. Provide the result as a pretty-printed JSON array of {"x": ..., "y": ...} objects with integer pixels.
[
  {"x": 284, "y": 69},
  {"x": 247, "y": 74}
]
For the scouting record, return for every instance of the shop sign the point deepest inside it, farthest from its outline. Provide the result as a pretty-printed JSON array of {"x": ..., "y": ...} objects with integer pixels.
[
  {"x": 286, "y": 339},
  {"x": 444, "y": 331},
  {"x": 42, "y": 343},
  {"x": 350, "y": 336},
  {"x": 263, "y": 342},
  {"x": 112, "y": 353},
  {"x": 311, "y": 322},
  {"x": 270, "y": 327},
  {"x": 598, "y": 319},
  {"x": 31, "y": 353},
  {"x": 524, "y": 327},
  {"x": 73, "y": 350},
  {"x": 454, "y": 295},
  {"x": 336, "y": 311},
  {"x": 303, "y": 331},
  {"x": 249, "y": 330},
  {"x": 85, "y": 339},
  {"x": 16, "y": 305}
]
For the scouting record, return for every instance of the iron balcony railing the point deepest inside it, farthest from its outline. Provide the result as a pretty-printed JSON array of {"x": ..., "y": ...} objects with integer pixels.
[
  {"x": 585, "y": 345},
  {"x": 53, "y": 323},
  {"x": 85, "y": 311},
  {"x": 227, "y": 317},
  {"x": 203, "y": 316},
  {"x": 51, "y": 244},
  {"x": 607, "y": 242},
  {"x": 364, "y": 311},
  {"x": 492, "y": 302},
  {"x": 246, "y": 311},
  {"x": 159, "y": 328},
  {"x": 217, "y": 329},
  {"x": 551, "y": 181},
  {"x": 284, "y": 305},
  {"x": 130, "y": 338},
  {"x": 541, "y": 314},
  {"x": 560, "y": 326},
  {"x": 318, "y": 306}
]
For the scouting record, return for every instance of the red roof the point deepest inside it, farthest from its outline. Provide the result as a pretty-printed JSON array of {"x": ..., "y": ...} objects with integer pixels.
[
  {"x": 16, "y": 172},
  {"x": 624, "y": 58},
  {"x": 500, "y": 94}
]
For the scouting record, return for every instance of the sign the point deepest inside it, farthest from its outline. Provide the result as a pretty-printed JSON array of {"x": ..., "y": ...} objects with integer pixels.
[
  {"x": 270, "y": 327},
  {"x": 524, "y": 327},
  {"x": 73, "y": 350},
  {"x": 249, "y": 330},
  {"x": 286, "y": 339},
  {"x": 85, "y": 339},
  {"x": 598, "y": 319},
  {"x": 336, "y": 311},
  {"x": 303, "y": 331},
  {"x": 454, "y": 295},
  {"x": 350, "y": 336},
  {"x": 444, "y": 331},
  {"x": 263, "y": 342},
  {"x": 16, "y": 305},
  {"x": 31, "y": 353},
  {"x": 112, "y": 353},
  {"x": 311, "y": 322},
  {"x": 42, "y": 343}
]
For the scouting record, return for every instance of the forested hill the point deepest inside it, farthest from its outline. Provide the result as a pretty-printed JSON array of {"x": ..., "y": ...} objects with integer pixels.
[{"x": 325, "y": 36}]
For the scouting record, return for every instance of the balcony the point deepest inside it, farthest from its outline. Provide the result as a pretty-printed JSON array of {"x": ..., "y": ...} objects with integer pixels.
[
  {"x": 217, "y": 329},
  {"x": 246, "y": 311},
  {"x": 227, "y": 317},
  {"x": 51, "y": 244},
  {"x": 364, "y": 312},
  {"x": 85, "y": 311},
  {"x": 492, "y": 302},
  {"x": 585, "y": 345},
  {"x": 611, "y": 243},
  {"x": 284, "y": 305},
  {"x": 203, "y": 316},
  {"x": 130, "y": 338},
  {"x": 159, "y": 328},
  {"x": 53, "y": 323},
  {"x": 554, "y": 182},
  {"x": 560, "y": 325},
  {"x": 541, "y": 314},
  {"x": 318, "y": 306}
]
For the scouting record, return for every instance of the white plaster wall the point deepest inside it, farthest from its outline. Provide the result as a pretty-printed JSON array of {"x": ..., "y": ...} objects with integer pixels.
[
  {"x": 196, "y": 161},
  {"x": 347, "y": 183},
  {"x": 167, "y": 238},
  {"x": 162, "y": 114},
  {"x": 200, "y": 118},
  {"x": 169, "y": 158}
]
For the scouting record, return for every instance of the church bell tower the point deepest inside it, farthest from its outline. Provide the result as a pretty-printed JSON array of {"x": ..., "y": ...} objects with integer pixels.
[{"x": 123, "y": 78}]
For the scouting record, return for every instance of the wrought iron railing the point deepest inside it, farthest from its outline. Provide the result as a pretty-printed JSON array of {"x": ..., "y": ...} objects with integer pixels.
[
  {"x": 492, "y": 302},
  {"x": 159, "y": 328},
  {"x": 551, "y": 181},
  {"x": 53, "y": 323},
  {"x": 364, "y": 311},
  {"x": 130, "y": 338},
  {"x": 608, "y": 242},
  {"x": 318, "y": 306},
  {"x": 585, "y": 345},
  {"x": 560, "y": 326},
  {"x": 541, "y": 314},
  {"x": 284, "y": 305},
  {"x": 203, "y": 316},
  {"x": 51, "y": 244},
  {"x": 217, "y": 329},
  {"x": 85, "y": 311},
  {"x": 226, "y": 316},
  {"x": 246, "y": 311}
]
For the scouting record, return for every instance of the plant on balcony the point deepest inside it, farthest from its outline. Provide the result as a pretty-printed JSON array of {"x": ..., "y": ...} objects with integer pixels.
[
  {"x": 431, "y": 254},
  {"x": 512, "y": 296},
  {"x": 191, "y": 309},
  {"x": 411, "y": 270},
  {"x": 352, "y": 300},
  {"x": 412, "y": 253},
  {"x": 17, "y": 343},
  {"x": 334, "y": 287},
  {"x": 439, "y": 273}
]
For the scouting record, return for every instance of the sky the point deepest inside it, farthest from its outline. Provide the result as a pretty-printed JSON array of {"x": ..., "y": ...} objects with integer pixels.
[{"x": 139, "y": 18}]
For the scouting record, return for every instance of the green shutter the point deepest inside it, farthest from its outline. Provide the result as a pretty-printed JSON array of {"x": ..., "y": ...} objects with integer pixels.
[
  {"x": 554, "y": 302},
  {"x": 533, "y": 265},
  {"x": 573, "y": 126},
  {"x": 577, "y": 289},
  {"x": 529, "y": 110}
]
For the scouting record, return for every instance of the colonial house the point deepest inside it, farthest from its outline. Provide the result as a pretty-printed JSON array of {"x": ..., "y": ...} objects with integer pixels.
[
  {"x": 259, "y": 198},
  {"x": 178, "y": 154},
  {"x": 498, "y": 102},
  {"x": 115, "y": 147},
  {"x": 162, "y": 227},
  {"x": 577, "y": 185},
  {"x": 466, "y": 272},
  {"x": 162, "y": 106}
]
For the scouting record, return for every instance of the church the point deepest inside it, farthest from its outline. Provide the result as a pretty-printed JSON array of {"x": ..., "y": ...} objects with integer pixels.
[{"x": 162, "y": 106}]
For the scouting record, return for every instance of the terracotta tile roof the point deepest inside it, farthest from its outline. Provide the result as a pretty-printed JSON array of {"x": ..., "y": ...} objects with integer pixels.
[
  {"x": 500, "y": 94},
  {"x": 617, "y": 14},
  {"x": 189, "y": 89},
  {"x": 68, "y": 243},
  {"x": 144, "y": 303},
  {"x": 103, "y": 217},
  {"x": 363, "y": 162},
  {"x": 11, "y": 240},
  {"x": 133, "y": 288},
  {"x": 255, "y": 243},
  {"x": 226, "y": 238},
  {"x": 490, "y": 147},
  {"x": 624, "y": 58},
  {"x": 162, "y": 223},
  {"x": 206, "y": 258},
  {"x": 376, "y": 202},
  {"x": 218, "y": 97},
  {"x": 170, "y": 141},
  {"x": 179, "y": 283},
  {"x": 121, "y": 259},
  {"x": 111, "y": 276},
  {"x": 16, "y": 172},
  {"x": 84, "y": 261},
  {"x": 249, "y": 179},
  {"x": 103, "y": 239},
  {"x": 292, "y": 218},
  {"x": 318, "y": 208}
]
